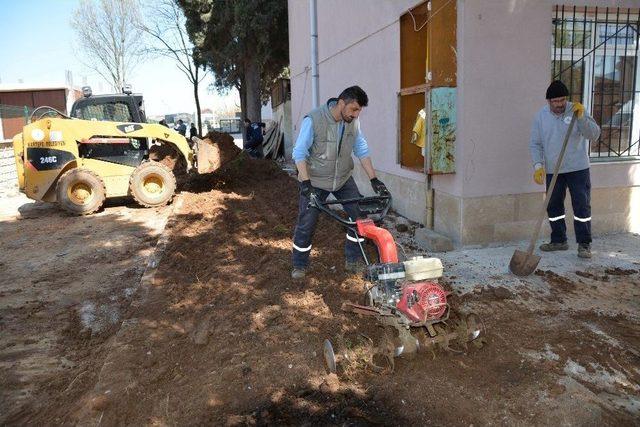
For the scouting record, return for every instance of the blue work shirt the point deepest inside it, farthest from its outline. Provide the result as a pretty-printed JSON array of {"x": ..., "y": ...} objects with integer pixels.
[{"x": 305, "y": 140}]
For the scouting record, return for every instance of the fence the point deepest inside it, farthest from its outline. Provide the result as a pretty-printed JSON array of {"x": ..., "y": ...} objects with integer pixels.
[
  {"x": 8, "y": 176},
  {"x": 12, "y": 119}
]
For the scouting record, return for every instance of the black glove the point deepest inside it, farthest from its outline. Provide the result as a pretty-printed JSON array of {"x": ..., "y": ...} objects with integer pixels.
[
  {"x": 379, "y": 188},
  {"x": 306, "y": 189}
]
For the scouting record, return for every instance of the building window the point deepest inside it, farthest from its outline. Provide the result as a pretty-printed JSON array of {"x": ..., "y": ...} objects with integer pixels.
[
  {"x": 594, "y": 52},
  {"x": 111, "y": 111},
  {"x": 427, "y": 96},
  {"x": 413, "y": 72}
]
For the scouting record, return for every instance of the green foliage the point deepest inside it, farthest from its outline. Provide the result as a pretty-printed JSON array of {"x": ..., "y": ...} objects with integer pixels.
[{"x": 228, "y": 34}]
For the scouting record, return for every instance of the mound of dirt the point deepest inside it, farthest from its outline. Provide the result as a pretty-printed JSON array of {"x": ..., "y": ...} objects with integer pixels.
[
  {"x": 620, "y": 271},
  {"x": 216, "y": 150},
  {"x": 227, "y": 329},
  {"x": 227, "y": 337},
  {"x": 557, "y": 280}
]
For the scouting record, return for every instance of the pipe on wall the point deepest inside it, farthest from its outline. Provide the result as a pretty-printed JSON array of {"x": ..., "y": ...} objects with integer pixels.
[
  {"x": 315, "y": 77},
  {"x": 429, "y": 217},
  {"x": 428, "y": 223}
]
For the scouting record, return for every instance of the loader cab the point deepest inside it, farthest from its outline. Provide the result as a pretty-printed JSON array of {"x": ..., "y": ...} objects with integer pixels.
[{"x": 119, "y": 107}]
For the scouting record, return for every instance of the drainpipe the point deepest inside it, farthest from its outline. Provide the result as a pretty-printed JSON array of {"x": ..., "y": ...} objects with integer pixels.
[
  {"x": 315, "y": 77},
  {"x": 428, "y": 223},
  {"x": 427, "y": 162}
]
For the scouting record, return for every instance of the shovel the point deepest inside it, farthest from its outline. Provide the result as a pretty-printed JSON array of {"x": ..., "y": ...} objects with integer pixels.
[{"x": 525, "y": 263}]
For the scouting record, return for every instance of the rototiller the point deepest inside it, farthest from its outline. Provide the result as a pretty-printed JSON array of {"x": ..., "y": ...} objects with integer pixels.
[{"x": 405, "y": 295}]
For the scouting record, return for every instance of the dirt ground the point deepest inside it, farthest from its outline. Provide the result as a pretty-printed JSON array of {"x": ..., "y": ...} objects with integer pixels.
[
  {"x": 65, "y": 286},
  {"x": 222, "y": 335}
]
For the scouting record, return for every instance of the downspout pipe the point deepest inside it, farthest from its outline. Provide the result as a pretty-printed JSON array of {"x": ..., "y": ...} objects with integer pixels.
[
  {"x": 315, "y": 77},
  {"x": 428, "y": 161},
  {"x": 427, "y": 164}
]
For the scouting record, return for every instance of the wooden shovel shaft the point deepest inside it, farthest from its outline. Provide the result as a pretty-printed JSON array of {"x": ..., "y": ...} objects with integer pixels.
[{"x": 543, "y": 211}]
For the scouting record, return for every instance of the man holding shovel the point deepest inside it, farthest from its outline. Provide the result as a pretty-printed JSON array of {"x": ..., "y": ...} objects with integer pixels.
[{"x": 547, "y": 134}]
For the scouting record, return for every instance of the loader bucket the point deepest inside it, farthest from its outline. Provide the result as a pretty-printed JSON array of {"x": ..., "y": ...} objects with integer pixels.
[{"x": 215, "y": 150}]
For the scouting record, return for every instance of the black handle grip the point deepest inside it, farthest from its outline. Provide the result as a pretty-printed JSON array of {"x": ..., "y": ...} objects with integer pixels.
[{"x": 376, "y": 205}]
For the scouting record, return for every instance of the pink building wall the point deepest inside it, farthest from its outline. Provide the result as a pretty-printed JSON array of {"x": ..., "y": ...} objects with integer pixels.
[
  {"x": 504, "y": 72},
  {"x": 357, "y": 44},
  {"x": 504, "y": 64}
]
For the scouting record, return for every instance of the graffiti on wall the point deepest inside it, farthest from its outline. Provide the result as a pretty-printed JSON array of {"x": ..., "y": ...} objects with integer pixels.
[{"x": 443, "y": 128}]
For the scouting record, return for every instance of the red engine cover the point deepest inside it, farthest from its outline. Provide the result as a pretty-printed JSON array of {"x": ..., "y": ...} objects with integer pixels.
[{"x": 422, "y": 301}]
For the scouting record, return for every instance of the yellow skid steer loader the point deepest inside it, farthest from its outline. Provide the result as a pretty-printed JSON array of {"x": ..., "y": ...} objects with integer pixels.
[{"x": 79, "y": 163}]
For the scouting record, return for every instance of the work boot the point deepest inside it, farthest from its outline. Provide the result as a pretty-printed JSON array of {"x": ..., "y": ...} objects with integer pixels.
[
  {"x": 354, "y": 267},
  {"x": 584, "y": 250},
  {"x": 298, "y": 273},
  {"x": 550, "y": 247}
]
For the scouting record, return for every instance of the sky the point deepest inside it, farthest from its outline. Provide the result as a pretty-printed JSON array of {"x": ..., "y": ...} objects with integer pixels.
[{"x": 37, "y": 45}]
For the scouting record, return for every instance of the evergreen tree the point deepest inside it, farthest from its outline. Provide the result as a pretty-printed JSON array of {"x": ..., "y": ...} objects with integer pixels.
[{"x": 244, "y": 42}]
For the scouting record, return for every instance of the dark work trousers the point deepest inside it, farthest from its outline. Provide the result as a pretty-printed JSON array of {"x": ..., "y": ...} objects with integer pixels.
[
  {"x": 579, "y": 184},
  {"x": 308, "y": 217}
]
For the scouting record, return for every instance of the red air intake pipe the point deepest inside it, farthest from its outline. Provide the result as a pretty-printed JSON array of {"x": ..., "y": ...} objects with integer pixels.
[{"x": 381, "y": 237}]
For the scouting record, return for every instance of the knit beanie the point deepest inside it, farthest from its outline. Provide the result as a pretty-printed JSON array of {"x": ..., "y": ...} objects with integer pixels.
[{"x": 557, "y": 89}]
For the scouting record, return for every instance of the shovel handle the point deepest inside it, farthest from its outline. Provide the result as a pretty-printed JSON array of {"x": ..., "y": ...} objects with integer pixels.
[{"x": 536, "y": 230}]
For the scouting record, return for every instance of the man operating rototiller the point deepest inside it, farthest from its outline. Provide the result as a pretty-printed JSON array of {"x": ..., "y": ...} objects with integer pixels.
[{"x": 329, "y": 135}]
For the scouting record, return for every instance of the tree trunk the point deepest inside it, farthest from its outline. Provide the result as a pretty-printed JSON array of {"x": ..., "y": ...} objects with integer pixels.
[
  {"x": 198, "y": 113},
  {"x": 196, "y": 96},
  {"x": 242, "y": 89},
  {"x": 252, "y": 83}
]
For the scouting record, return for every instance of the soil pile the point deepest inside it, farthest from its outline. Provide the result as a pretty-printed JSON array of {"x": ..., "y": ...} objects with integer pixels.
[
  {"x": 216, "y": 150},
  {"x": 226, "y": 337}
]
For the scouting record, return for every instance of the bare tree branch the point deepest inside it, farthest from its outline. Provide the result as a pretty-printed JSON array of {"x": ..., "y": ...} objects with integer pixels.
[
  {"x": 165, "y": 26},
  {"x": 108, "y": 32}
]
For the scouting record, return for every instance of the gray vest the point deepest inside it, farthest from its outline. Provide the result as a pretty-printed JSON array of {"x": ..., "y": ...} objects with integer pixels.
[{"x": 328, "y": 168}]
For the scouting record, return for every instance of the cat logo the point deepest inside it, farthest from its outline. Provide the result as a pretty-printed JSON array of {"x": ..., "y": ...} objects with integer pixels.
[{"x": 129, "y": 128}]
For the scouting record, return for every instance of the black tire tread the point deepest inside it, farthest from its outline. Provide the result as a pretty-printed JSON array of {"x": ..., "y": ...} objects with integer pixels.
[
  {"x": 145, "y": 165},
  {"x": 70, "y": 172}
]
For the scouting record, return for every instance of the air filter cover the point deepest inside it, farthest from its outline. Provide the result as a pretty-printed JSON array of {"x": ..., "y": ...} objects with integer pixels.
[{"x": 420, "y": 268}]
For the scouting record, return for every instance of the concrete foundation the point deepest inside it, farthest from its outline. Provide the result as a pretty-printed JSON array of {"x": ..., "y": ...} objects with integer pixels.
[
  {"x": 506, "y": 218},
  {"x": 486, "y": 220},
  {"x": 431, "y": 241}
]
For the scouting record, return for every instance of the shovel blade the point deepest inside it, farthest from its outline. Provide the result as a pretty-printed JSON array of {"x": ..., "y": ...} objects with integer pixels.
[
  {"x": 523, "y": 263},
  {"x": 329, "y": 357}
]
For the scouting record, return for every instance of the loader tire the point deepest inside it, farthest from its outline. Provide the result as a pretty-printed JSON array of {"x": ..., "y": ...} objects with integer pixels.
[
  {"x": 152, "y": 184},
  {"x": 80, "y": 191}
]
